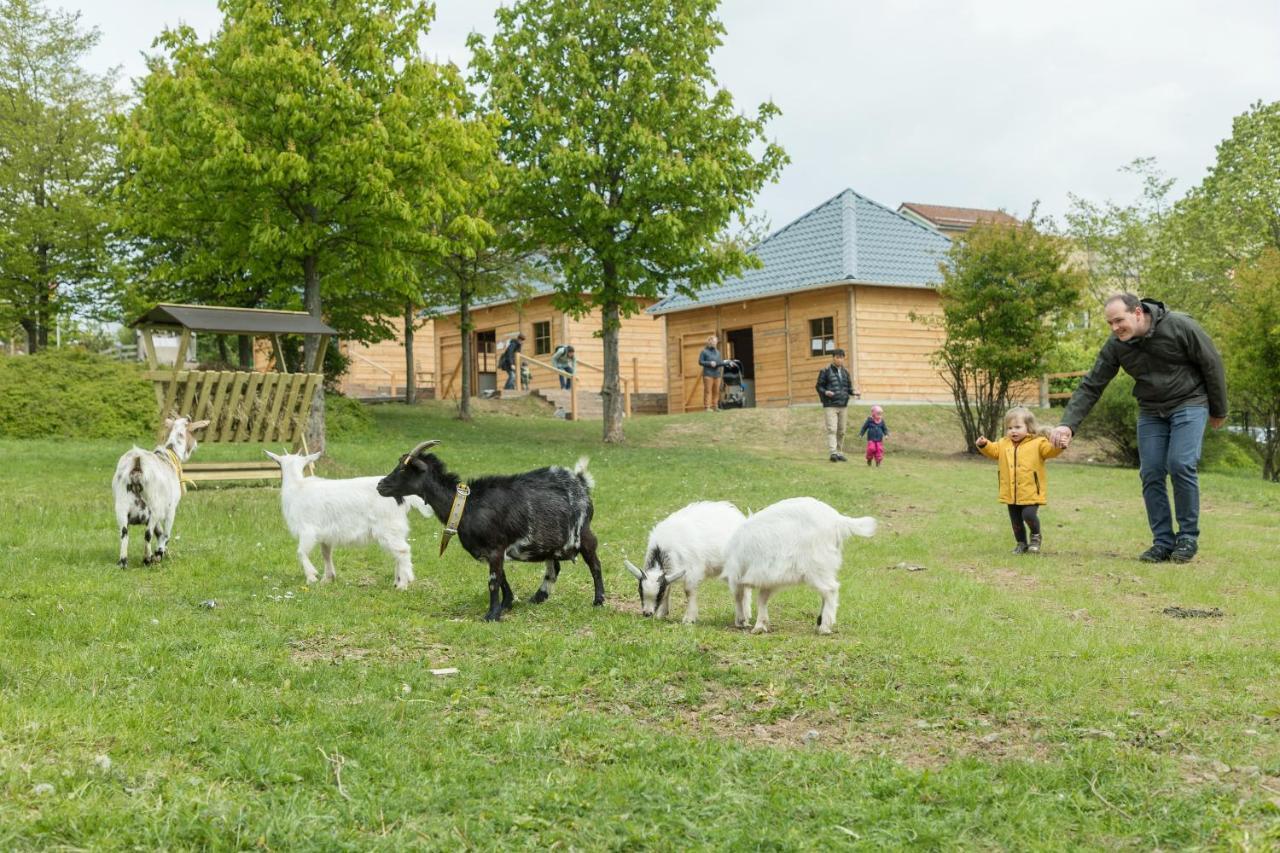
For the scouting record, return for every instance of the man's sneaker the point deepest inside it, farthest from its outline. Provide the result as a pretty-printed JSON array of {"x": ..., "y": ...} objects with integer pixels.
[
  {"x": 1155, "y": 554},
  {"x": 835, "y": 457},
  {"x": 1034, "y": 546},
  {"x": 840, "y": 457},
  {"x": 1020, "y": 548},
  {"x": 1184, "y": 549}
]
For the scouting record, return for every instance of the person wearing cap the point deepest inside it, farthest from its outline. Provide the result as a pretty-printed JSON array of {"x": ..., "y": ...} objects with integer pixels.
[
  {"x": 507, "y": 361},
  {"x": 875, "y": 429},
  {"x": 835, "y": 387},
  {"x": 563, "y": 359}
]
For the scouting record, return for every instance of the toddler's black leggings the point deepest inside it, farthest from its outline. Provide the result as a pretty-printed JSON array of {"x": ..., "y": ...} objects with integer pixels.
[{"x": 1024, "y": 517}]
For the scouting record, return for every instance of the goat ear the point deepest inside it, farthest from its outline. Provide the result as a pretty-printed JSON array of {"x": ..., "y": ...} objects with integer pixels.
[
  {"x": 675, "y": 576},
  {"x": 200, "y": 424},
  {"x": 273, "y": 456},
  {"x": 312, "y": 457},
  {"x": 168, "y": 423},
  {"x": 631, "y": 568}
]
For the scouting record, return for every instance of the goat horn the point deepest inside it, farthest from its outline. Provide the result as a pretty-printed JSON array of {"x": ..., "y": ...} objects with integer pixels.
[
  {"x": 631, "y": 568},
  {"x": 423, "y": 446}
]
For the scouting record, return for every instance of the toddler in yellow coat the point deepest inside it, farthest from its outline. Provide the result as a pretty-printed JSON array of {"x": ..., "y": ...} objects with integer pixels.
[{"x": 1023, "y": 482}]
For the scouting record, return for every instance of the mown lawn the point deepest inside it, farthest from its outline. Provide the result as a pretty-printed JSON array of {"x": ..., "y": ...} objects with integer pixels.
[{"x": 987, "y": 701}]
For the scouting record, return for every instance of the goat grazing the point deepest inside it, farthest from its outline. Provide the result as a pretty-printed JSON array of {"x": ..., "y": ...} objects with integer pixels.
[
  {"x": 687, "y": 544},
  {"x": 538, "y": 516},
  {"x": 343, "y": 512},
  {"x": 789, "y": 543},
  {"x": 148, "y": 485}
]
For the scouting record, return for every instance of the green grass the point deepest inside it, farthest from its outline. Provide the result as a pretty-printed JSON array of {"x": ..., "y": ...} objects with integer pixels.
[{"x": 987, "y": 702}]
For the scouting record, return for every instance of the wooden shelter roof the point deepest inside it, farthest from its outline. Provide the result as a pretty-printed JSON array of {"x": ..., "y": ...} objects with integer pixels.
[{"x": 233, "y": 321}]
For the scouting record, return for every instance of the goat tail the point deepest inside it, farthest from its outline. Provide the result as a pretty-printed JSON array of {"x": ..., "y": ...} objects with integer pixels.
[
  {"x": 864, "y": 526},
  {"x": 580, "y": 471},
  {"x": 134, "y": 478},
  {"x": 420, "y": 505}
]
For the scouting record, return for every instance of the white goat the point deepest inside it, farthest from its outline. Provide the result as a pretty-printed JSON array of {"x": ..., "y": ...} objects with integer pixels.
[
  {"x": 148, "y": 485},
  {"x": 789, "y": 543},
  {"x": 687, "y": 544},
  {"x": 343, "y": 512}
]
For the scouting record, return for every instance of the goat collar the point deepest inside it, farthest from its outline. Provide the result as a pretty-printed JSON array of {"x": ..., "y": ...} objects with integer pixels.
[
  {"x": 166, "y": 453},
  {"x": 455, "y": 516}
]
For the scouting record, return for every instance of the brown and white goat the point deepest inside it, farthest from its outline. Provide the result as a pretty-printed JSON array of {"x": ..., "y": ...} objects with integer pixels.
[{"x": 148, "y": 485}]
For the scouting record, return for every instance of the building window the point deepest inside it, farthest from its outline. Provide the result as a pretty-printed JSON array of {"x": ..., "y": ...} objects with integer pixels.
[
  {"x": 822, "y": 336},
  {"x": 542, "y": 338}
]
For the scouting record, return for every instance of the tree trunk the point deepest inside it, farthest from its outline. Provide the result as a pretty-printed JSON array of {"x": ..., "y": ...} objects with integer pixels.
[
  {"x": 33, "y": 337},
  {"x": 224, "y": 355},
  {"x": 410, "y": 375},
  {"x": 316, "y": 437},
  {"x": 244, "y": 345},
  {"x": 311, "y": 304},
  {"x": 611, "y": 392},
  {"x": 464, "y": 326}
]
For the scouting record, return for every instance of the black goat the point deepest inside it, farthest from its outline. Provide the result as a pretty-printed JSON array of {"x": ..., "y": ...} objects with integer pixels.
[{"x": 541, "y": 515}]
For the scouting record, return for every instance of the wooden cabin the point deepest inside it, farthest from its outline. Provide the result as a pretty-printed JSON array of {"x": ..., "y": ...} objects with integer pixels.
[
  {"x": 378, "y": 370},
  {"x": 847, "y": 274},
  {"x": 641, "y": 348}
]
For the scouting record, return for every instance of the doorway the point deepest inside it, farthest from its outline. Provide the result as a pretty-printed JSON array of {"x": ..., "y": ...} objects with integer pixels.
[
  {"x": 740, "y": 344},
  {"x": 486, "y": 365}
]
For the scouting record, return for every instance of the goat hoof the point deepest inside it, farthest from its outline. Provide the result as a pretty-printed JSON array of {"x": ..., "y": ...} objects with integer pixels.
[
  {"x": 493, "y": 616},
  {"x": 124, "y": 564},
  {"x": 598, "y": 602},
  {"x": 538, "y": 597},
  {"x": 146, "y": 561},
  {"x": 760, "y": 629},
  {"x": 824, "y": 630}
]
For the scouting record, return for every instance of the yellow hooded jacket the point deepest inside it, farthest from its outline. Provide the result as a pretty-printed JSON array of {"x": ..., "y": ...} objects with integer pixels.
[{"x": 1022, "y": 476}]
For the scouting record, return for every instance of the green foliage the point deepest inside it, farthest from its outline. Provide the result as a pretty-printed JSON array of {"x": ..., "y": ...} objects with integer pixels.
[
  {"x": 69, "y": 393},
  {"x": 1117, "y": 241},
  {"x": 346, "y": 419},
  {"x": 304, "y": 151},
  {"x": 1227, "y": 220},
  {"x": 632, "y": 160},
  {"x": 1229, "y": 452},
  {"x": 55, "y": 159},
  {"x": 1114, "y": 421},
  {"x": 1249, "y": 328},
  {"x": 1002, "y": 288}
]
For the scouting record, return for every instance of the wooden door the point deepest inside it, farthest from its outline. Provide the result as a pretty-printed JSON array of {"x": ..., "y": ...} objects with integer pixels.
[
  {"x": 449, "y": 385},
  {"x": 690, "y": 371}
]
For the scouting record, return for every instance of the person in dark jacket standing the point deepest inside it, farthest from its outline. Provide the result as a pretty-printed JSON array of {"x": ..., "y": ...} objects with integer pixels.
[
  {"x": 1180, "y": 383},
  {"x": 712, "y": 368},
  {"x": 507, "y": 361},
  {"x": 835, "y": 387}
]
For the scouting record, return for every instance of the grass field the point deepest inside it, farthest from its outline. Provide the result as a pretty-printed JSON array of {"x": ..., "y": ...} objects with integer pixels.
[{"x": 987, "y": 701}]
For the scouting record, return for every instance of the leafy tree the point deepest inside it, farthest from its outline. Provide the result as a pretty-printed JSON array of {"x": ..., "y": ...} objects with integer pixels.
[
  {"x": 55, "y": 156},
  {"x": 1117, "y": 241},
  {"x": 1226, "y": 221},
  {"x": 1249, "y": 328},
  {"x": 633, "y": 160},
  {"x": 306, "y": 153},
  {"x": 1003, "y": 288}
]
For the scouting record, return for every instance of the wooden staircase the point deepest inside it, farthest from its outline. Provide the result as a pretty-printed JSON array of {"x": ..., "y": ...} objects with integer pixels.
[{"x": 590, "y": 404}]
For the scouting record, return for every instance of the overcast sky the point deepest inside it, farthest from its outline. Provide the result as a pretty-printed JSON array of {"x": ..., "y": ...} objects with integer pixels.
[{"x": 973, "y": 103}]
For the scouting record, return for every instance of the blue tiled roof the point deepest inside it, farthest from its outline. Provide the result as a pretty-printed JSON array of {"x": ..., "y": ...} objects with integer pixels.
[{"x": 848, "y": 238}]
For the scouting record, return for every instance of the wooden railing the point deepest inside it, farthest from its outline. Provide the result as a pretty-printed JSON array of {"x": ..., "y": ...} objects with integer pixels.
[
  {"x": 1046, "y": 397},
  {"x": 573, "y": 380}
]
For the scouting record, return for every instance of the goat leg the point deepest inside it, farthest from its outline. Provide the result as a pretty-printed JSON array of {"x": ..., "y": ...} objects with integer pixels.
[
  {"x": 508, "y": 597},
  {"x": 497, "y": 581},
  {"x": 146, "y": 546},
  {"x": 548, "y": 582},
  {"x": 588, "y": 545}
]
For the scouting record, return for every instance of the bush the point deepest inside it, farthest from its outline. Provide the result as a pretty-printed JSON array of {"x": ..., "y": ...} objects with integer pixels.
[
  {"x": 1114, "y": 422},
  {"x": 346, "y": 418},
  {"x": 70, "y": 393},
  {"x": 1228, "y": 452}
]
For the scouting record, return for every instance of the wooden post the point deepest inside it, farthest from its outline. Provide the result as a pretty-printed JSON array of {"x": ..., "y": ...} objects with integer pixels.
[
  {"x": 635, "y": 373},
  {"x": 626, "y": 399},
  {"x": 573, "y": 397},
  {"x": 278, "y": 346},
  {"x": 1044, "y": 391}
]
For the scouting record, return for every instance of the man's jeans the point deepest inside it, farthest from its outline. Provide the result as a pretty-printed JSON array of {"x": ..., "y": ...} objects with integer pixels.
[
  {"x": 511, "y": 379},
  {"x": 1170, "y": 447}
]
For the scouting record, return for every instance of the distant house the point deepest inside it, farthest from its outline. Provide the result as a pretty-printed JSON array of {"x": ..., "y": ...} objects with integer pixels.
[
  {"x": 848, "y": 274},
  {"x": 641, "y": 353},
  {"x": 952, "y": 220}
]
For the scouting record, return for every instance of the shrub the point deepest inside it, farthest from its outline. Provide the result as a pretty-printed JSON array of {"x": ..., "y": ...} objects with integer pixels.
[
  {"x": 346, "y": 418},
  {"x": 1230, "y": 452},
  {"x": 1114, "y": 421},
  {"x": 70, "y": 393}
]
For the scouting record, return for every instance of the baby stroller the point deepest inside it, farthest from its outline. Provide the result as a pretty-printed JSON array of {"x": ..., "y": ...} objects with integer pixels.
[{"x": 732, "y": 393}]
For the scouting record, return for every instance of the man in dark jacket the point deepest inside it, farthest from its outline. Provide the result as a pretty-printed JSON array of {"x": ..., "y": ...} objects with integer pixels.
[
  {"x": 835, "y": 387},
  {"x": 1180, "y": 383},
  {"x": 507, "y": 361}
]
